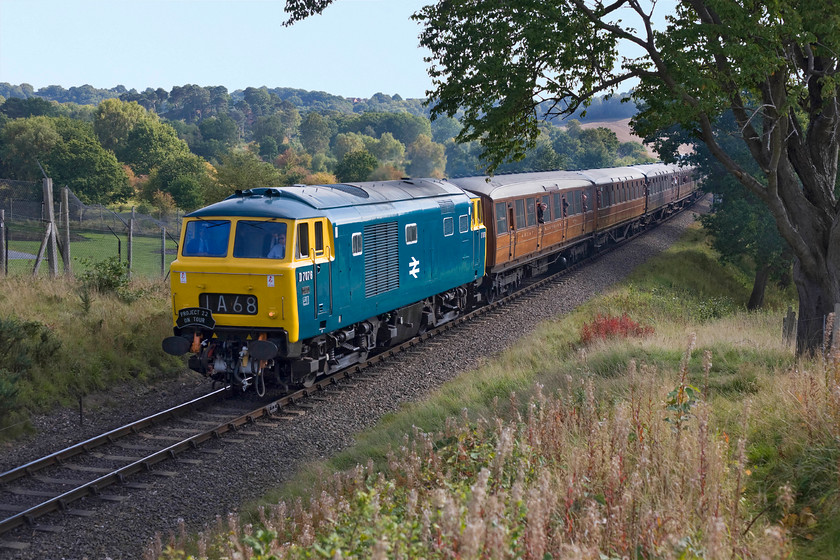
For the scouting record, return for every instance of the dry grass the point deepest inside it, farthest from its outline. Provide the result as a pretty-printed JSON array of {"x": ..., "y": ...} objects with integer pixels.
[
  {"x": 578, "y": 473},
  {"x": 90, "y": 340}
]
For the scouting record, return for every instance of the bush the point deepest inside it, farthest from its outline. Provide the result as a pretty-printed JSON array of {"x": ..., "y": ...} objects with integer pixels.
[
  {"x": 23, "y": 345},
  {"x": 106, "y": 276},
  {"x": 608, "y": 326}
]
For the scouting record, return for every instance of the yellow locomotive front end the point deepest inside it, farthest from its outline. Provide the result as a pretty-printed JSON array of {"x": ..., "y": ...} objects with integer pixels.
[{"x": 233, "y": 295}]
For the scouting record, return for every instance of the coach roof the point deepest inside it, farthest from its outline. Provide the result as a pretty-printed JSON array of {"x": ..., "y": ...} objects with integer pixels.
[{"x": 522, "y": 184}]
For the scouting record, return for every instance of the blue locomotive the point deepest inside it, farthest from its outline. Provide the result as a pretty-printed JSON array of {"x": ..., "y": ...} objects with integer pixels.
[{"x": 295, "y": 282}]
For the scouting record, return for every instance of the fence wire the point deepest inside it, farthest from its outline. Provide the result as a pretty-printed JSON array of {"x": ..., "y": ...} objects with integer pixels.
[{"x": 97, "y": 233}]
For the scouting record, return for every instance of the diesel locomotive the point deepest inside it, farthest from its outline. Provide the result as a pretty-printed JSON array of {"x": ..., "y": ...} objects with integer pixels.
[{"x": 283, "y": 285}]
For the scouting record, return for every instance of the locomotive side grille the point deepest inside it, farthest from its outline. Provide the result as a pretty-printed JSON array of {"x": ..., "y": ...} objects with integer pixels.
[
  {"x": 382, "y": 272},
  {"x": 446, "y": 206}
]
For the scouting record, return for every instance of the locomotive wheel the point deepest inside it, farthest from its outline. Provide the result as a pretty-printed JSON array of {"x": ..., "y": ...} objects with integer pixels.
[{"x": 309, "y": 380}]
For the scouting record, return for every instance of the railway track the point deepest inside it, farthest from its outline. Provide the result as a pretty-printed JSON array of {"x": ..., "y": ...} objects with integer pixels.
[{"x": 85, "y": 470}]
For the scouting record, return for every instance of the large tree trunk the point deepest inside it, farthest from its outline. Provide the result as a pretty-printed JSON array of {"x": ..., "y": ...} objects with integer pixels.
[
  {"x": 814, "y": 307},
  {"x": 762, "y": 273}
]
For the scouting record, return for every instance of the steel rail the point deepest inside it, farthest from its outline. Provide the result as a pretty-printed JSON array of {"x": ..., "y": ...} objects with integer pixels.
[{"x": 60, "y": 456}]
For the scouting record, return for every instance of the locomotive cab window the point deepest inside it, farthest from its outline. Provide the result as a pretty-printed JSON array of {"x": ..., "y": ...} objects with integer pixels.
[
  {"x": 303, "y": 240},
  {"x": 448, "y": 227},
  {"x": 206, "y": 238},
  {"x": 477, "y": 213},
  {"x": 410, "y": 234},
  {"x": 356, "y": 241},
  {"x": 319, "y": 238},
  {"x": 259, "y": 240}
]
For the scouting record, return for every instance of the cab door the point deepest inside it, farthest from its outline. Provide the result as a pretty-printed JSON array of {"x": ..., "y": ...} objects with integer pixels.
[{"x": 314, "y": 272}]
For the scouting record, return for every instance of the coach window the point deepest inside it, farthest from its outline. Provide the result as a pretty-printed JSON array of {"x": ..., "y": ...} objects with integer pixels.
[
  {"x": 520, "y": 213},
  {"x": 547, "y": 214},
  {"x": 410, "y": 234},
  {"x": 448, "y": 227},
  {"x": 319, "y": 238},
  {"x": 357, "y": 244},
  {"x": 501, "y": 218},
  {"x": 531, "y": 210},
  {"x": 464, "y": 223},
  {"x": 303, "y": 240},
  {"x": 557, "y": 210}
]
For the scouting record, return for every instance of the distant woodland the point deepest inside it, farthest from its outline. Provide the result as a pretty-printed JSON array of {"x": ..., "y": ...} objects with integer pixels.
[{"x": 194, "y": 145}]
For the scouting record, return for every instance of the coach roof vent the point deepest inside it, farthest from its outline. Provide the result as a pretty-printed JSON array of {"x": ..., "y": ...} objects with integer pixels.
[{"x": 350, "y": 189}]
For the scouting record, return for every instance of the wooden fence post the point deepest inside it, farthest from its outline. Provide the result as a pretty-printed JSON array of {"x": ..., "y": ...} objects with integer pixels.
[
  {"x": 789, "y": 326},
  {"x": 65, "y": 238},
  {"x": 50, "y": 243},
  {"x": 52, "y": 248}
]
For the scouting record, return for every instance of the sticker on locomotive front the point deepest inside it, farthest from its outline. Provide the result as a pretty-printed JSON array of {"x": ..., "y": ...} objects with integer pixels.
[{"x": 195, "y": 317}]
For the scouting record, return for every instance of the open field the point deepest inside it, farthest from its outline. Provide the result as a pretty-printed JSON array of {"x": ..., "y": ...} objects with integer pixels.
[{"x": 97, "y": 246}]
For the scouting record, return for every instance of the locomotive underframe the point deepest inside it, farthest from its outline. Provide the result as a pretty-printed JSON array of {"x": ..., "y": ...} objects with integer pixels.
[{"x": 241, "y": 357}]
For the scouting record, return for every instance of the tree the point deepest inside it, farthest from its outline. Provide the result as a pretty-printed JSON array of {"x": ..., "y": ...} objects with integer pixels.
[
  {"x": 115, "y": 119},
  {"x": 181, "y": 175},
  {"x": 742, "y": 227},
  {"x": 91, "y": 172},
  {"x": 16, "y": 108},
  {"x": 773, "y": 64},
  {"x": 347, "y": 142},
  {"x": 356, "y": 166},
  {"x": 23, "y": 142},
  {"x": 315, "y": 133},
  {"x": 386, "y": 149},
  {"x": 243, "y": 170},
  {"x": 148, "y": 144},
  {"x": 427, "y": 159}
]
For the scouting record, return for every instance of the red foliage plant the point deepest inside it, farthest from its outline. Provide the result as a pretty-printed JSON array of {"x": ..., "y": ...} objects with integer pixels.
[{"x": 608, "y": 326}]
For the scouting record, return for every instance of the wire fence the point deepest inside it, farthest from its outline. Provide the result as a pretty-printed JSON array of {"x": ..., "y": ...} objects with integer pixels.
[{"x": 148, "y": 243}]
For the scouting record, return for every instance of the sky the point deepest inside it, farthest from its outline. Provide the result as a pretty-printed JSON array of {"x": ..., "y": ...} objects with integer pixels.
[{"x": 356, "y": 48}]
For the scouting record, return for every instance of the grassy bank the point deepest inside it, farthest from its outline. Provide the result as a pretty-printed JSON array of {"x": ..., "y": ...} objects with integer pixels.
[
  {"x": 694, "y": 436},
  {"x": 60, "y": 341}
]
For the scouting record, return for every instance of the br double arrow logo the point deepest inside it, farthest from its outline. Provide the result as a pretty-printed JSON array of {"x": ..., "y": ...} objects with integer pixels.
[{"x": 414, "y": 267}]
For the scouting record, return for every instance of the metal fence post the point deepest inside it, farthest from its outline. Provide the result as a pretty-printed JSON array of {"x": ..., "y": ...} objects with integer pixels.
[
  {"x": 131, "y": 243},
  {"x": 163, "y": 252},
  {"x": 4, "y": 269}
]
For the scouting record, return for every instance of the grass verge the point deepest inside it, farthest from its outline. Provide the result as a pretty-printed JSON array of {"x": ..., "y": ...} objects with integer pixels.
[
  {"x": 701, "y": 439},
  {"x": 60, "y": 341}
]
